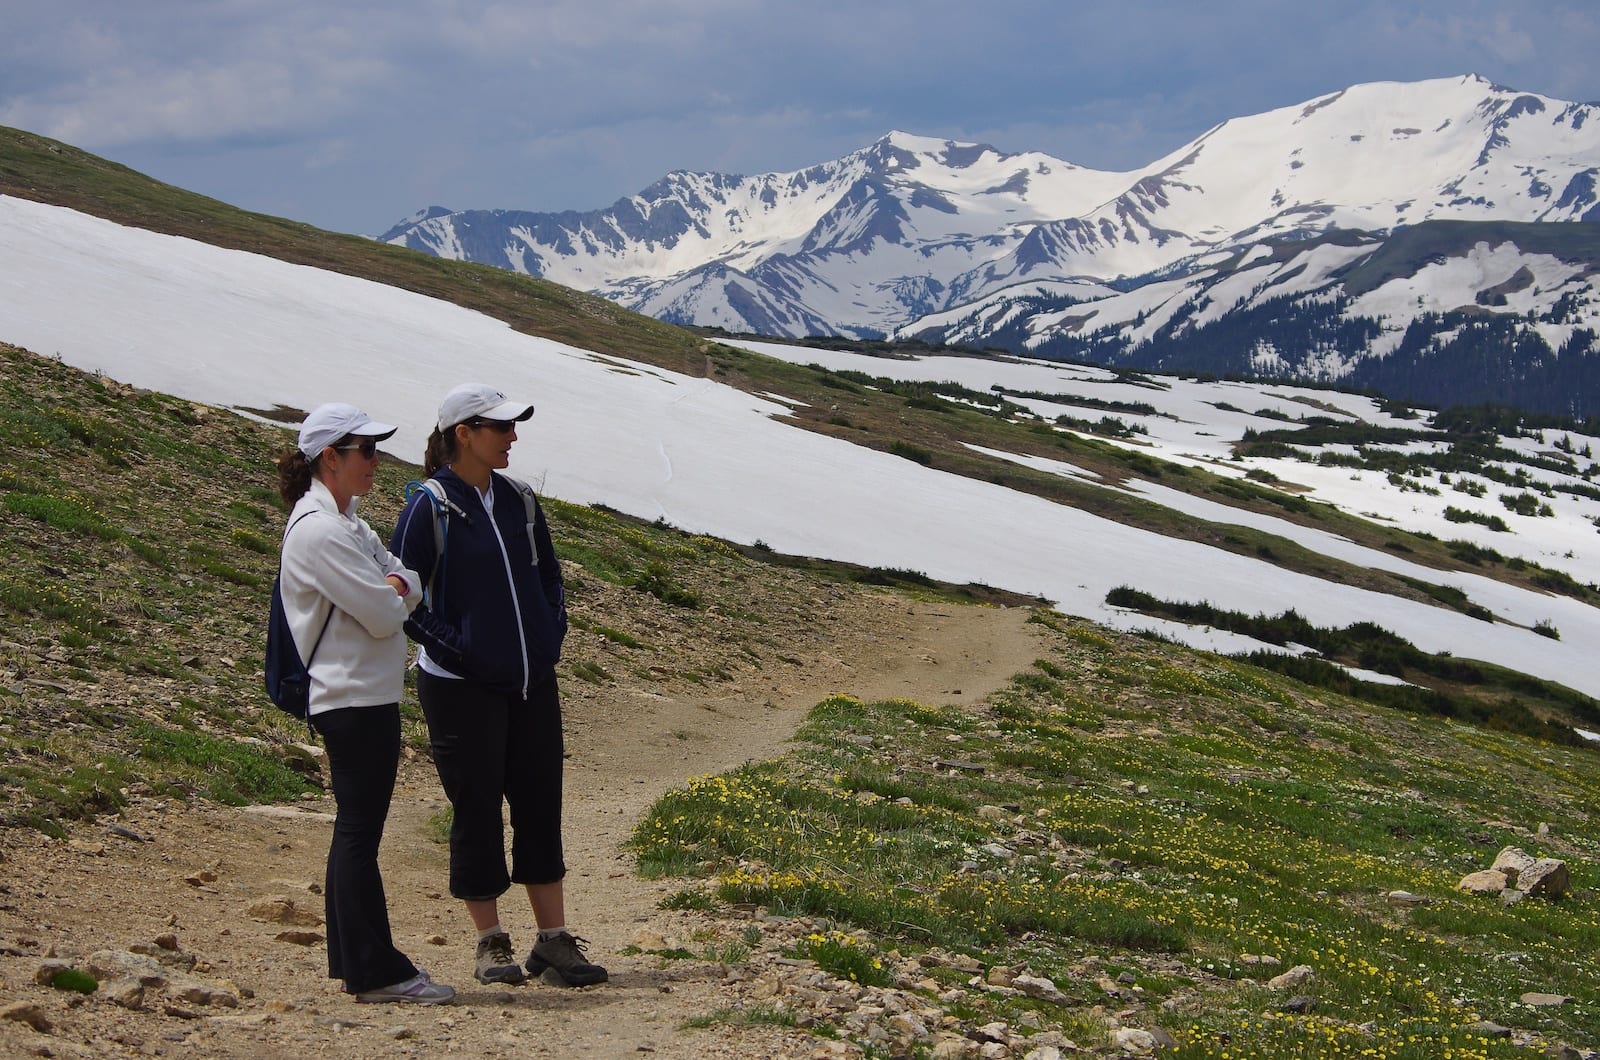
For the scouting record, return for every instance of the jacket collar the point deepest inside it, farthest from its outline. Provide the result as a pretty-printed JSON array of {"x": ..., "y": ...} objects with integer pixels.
[
  {"x": 447, "y": 475},
  {"x": 322, "y": 497}
]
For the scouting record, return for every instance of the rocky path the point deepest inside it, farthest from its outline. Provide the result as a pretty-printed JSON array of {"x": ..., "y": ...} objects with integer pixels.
[{"x": 217, "y": 911}]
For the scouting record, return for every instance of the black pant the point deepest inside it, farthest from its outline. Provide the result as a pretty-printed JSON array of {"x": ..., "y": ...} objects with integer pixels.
[
  {"x": 492, "y": 747},
  {"x": 363, "y": 753}
]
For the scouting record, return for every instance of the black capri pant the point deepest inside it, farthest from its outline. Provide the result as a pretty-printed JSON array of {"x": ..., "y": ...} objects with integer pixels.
[{"x": 492, "y": 746}]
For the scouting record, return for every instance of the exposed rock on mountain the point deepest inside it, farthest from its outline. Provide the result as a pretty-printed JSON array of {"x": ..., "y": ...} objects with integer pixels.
[{"x": 1423, "y": 237}]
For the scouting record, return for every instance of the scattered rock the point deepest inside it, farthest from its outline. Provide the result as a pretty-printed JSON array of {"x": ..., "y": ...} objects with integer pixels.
[
  {"x": 1515, "y": 868},
  {"x": 1299, "y": 1004},
  {"x": 1133, "y": 1040},
  {"x": 1405, "y": 899},
  {"x": 1538, "y": 1000},
  {"x": 170, "y": 958},
  {"x": 1295, "y": 977},
  {"x": 48, "y": 970},
  {"x": 298, "y": 937},
  {"x": 126, "y": 992},
  {"x": 280, "y": 909},
  {"x": 959, "y": 765},
  {"x": 1512, "y": 861},
  {"x": 1485, "y": 881},
  {"x": 152, "y": 974},
  {"x": 127, "y": 833},
  {"x": 117, "y": 964},
  {"x": 1545, "y": 878},
  {"x": 197, "y": 993},
  {"x": 27, "y": 1012},
  {"x": 1037, "y": 986}
]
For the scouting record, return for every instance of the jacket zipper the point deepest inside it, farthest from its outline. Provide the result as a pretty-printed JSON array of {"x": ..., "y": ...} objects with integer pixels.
[{"x": 516, "y": 603}]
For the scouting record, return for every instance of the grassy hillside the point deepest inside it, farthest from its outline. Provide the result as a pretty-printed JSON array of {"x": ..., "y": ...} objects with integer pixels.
[
  {"x": 1160, "y": 834},
  {"x": 141, "y": 534},
  {"x": 1156, "y": 831}
]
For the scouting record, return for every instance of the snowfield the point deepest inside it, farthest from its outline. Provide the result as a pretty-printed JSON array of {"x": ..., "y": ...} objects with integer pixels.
[{"x": 245, "y": 331}]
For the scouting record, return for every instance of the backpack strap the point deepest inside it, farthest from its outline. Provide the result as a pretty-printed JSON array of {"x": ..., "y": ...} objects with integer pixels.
[
  {"x": 275, "y": 582},
  {"x": 530, "y": 503},
  {"x": 442, "y": 506}
]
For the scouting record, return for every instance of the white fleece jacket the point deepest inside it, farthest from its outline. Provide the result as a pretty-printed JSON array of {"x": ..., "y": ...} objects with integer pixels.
[{"x": 334, "y": 569}]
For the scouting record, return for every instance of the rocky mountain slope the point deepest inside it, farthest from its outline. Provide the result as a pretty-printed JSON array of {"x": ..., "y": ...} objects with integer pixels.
[{"x": 1247, "y": 233}]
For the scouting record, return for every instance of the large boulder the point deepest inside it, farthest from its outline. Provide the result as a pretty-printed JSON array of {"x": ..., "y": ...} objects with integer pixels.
[
  {"x": 1547, "y": 878},
  {"x": 1485, "y": 881},
  {"x": 1512, "y": 861}
]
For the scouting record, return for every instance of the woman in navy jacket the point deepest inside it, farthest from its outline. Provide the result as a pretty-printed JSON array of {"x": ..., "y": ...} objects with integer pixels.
[{"x": 490, "y": 626}]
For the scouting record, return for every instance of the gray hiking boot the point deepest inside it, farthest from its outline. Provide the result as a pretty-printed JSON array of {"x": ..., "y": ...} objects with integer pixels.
[
  {"x": 495, "y": 961},
  {"x": 560, "y": 962}
]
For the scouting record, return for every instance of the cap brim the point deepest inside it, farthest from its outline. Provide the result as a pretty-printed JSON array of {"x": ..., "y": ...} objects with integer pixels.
[
  {"x": 507, "y": 412},
  {"x": 374, "y": 430}
]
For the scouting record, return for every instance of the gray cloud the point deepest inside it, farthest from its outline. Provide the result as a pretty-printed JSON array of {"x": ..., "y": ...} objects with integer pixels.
[{"x": 353, "y": 115}]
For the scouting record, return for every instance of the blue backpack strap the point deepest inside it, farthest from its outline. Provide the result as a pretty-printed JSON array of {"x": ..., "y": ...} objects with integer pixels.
[
  {"x": 442, "y": 506},
  {"x": 287, "y": 676}
]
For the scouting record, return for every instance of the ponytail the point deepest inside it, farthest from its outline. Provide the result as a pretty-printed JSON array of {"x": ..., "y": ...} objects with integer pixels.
[
  {"x": 294, "y": 476},
  {"x": 441, "y": 450}
]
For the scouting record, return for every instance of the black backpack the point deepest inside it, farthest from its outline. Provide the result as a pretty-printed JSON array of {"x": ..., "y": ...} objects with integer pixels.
[{"x": 287, "y": 677}]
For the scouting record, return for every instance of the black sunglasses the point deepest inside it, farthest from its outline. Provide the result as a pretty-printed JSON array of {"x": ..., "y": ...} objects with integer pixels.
[
  {"x": 368, "y": 448},
  {"x": 498, "y": 426}
]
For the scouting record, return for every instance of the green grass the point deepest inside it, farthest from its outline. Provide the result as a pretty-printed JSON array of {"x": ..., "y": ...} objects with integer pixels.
[
  {"x": 1202, "y": 823},
  {"x": 754, "y": 1016},
  {"x": 222, "y": 770},
  {"x": 844, "y": 956},
  {"x": 141, "y": 535}
]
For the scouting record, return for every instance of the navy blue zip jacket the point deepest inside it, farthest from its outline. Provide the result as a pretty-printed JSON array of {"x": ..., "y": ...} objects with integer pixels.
[{"x": 497, "y": 612}]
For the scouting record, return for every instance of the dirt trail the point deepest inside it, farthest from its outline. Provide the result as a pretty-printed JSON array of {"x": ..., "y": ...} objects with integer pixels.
[{"x": 628, "y": 744}]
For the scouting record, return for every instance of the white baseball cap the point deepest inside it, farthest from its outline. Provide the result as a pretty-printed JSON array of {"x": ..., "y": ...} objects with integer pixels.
[
  {"x": 476, "y": 400},
  {"x": 328, "y": 423}
]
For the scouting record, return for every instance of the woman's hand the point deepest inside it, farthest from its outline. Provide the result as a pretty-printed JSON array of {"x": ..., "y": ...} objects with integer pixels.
[{"x": 400, "y": 587}]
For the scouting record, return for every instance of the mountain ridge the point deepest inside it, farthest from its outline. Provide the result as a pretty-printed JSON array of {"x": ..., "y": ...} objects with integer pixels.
[{"x": 914, "y": 236}]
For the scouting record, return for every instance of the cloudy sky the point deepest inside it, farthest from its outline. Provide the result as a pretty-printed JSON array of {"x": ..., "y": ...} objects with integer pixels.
[{"x": 352, "y": 115}]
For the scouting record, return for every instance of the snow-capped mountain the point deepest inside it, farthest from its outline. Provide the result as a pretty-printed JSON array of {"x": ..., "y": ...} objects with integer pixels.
[{"x": 961, "y": 242}]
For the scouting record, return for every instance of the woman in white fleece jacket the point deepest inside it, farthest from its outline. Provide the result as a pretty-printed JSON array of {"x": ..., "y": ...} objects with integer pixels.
[{"x": 346, "y": 600}]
